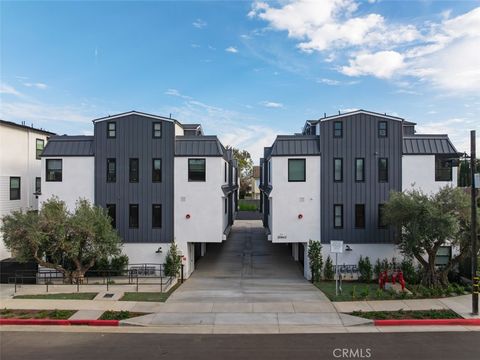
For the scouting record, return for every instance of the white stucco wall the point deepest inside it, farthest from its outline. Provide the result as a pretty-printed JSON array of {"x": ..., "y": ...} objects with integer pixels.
[
  {"x": 18, "y": 158},
  {"x": 290, "y": 199},
  {"x": 77, "y": 180},
  {"x": 418, "y": 171}
]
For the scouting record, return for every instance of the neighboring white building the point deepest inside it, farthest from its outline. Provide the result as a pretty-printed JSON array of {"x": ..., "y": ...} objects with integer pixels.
[
  {"x": 20, "y": 169},
  {"x": 330, "y": 183}
]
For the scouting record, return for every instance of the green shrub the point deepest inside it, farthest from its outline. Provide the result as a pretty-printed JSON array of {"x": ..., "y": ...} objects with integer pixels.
[
  {"x": 365, "y": 292},
  {"x": 377, "y": 269},
  {"x": 365, "y": 269},
  {"x": 410, "y": 273},
  {"x": 354, "y": 292},
  {"x": 118, "y": 264},
  {"x": 328, "y": 272},
  {"x": 173, "y": 262},
  {"x": 315, "y": 259}
]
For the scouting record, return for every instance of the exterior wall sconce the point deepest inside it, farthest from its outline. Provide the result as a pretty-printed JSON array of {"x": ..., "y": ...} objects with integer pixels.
[
  {"x": 348, "y": 248},
  {"x": 300, "y": 216},
  {"x": 159, "y": 250},
  {"x": 187, "y": 216}
]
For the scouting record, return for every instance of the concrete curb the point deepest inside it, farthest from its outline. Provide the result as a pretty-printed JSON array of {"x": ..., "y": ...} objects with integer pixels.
[
  {"x": 413, "y": 322},
  {"x": 59, "y": 322}
]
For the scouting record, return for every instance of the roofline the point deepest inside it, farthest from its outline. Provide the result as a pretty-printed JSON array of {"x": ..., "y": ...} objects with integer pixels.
[
  {"x": 133, "y": 112},
  {"x": 25, "y": 127},
  {"x": 361, "y": 111}
]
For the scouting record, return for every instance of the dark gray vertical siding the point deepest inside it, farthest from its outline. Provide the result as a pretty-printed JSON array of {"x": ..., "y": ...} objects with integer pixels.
[
  {"x": 134, "y": 140},
  {"x": 359, "y": 140}
]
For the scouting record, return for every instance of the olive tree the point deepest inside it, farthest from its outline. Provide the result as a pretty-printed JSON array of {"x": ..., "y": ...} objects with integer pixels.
[
  {"x": 425, "y": 222},
  {"x": 69, "y": 242}
]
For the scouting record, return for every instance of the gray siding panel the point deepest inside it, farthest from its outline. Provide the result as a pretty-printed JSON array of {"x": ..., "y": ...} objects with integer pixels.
[
  {"x": 359, "y": 140},
  {"x": 134, "y": 140}
]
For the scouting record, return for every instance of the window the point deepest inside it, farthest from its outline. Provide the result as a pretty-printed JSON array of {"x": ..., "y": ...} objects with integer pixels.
[
  {"x": 338, "y": 129},
  {"x": 225, "y": 172},
  {"x": 226, "y": 205},
  {"x": 157, "y": 170},
  {"x": 383, "y": 170},
  {"x": 360, "y": 216},
  {"x": 111, "y": 130},
  {"x": 156, "y": 216},
  {"x": 359, "y": 169},
  {"x": 38, "y": 185},
  {"x": 157, "y": 130},
  {"x": 15, "y": 188},
  {"x": 337, "y": 169},
  {"x": 112, "y": 213},
  {"x": 111, "y": 170},
  {"x": 39, "y": 145},
  {"x": 269, "y": 171},
  {"x": 296, "y": 170},
  {"x": 196, "y": 169},
  {"x": 443, "y": 169},
  {"x": 381, "y": 217},
  {"x": 133, "y": 170},
  {"x": 133, "y": 216},
  {"x": 382, "y": 129},
  {"x": 443, "y": 256},
  {"x": 54, "y": 170},
  {"x": 338, "y": 216}
]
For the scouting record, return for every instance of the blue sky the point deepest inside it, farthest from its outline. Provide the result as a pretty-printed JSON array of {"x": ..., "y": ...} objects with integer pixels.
[{"x": 246, "y": 70}]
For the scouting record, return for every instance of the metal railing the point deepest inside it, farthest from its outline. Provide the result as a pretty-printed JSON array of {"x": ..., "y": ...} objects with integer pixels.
[{"x": 132, "y": 274}]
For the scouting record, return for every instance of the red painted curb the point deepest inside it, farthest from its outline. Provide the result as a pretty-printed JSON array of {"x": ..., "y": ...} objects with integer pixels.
[
  {"x": 413, "y": 322},
  {"x": 58, "y": 322}
]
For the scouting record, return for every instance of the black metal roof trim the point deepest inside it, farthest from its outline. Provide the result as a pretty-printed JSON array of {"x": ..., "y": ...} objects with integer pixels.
[
  {"x": 69, "y": 146},
  {"x": 428, "y": 144},
  {"x": 134, "y": 112},
  {"x": 198, "y": 146},
  {"x": 267, "y": 189},
  {"x": 296, "y": 145},
  {"x": 227, "y": 189},
  {"x": 26, "y": 127}
]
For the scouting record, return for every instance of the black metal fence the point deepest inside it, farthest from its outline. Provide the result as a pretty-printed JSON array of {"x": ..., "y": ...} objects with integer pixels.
[{"x": 132, "y": 274}]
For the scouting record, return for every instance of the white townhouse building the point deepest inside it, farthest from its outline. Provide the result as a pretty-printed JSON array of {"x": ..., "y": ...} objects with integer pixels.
[
  {"x": 160, "y": 181},
  {"x": 331, "y": 181},
  {"x": 20, "y": 169}
]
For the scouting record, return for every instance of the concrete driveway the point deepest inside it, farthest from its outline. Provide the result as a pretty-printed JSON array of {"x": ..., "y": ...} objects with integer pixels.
[{"x": 247, "y": 268}]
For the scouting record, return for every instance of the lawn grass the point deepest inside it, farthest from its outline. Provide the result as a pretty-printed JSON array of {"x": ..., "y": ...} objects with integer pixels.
[
  {"x": 407, "y": 314},
  {"x": 149, "y": 296},
  {"x": 36, "y": 314},
  {"x": 119, "y": 315},
  {"x": 353, "y": 290},
  {"x": 64, "y": 296}
]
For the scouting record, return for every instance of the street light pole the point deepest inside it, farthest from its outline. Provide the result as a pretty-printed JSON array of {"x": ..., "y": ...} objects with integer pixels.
[{"x": 475, "y": 280}]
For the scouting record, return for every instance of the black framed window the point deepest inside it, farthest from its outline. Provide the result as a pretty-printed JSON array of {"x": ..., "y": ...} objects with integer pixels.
[
  {"x": 225, "y": 172},
  {"x": 157, "y": 130},
  {"x": 133, "y": 216},
  {"x": 382, "y": 129},
  {"x": 196, "y": 170},
  {"x": 296, "y": 170},
  {"x": 111, "y": 130},
  {"x": 225, "y": 205},
  {"x": 156, "y": 170},
  {"x": 15, "y": 188},
  {"x": 359, "y": 169},
  {"x": 112, "y": 213},
  {"x": 383, "y": 170},
  {"x": 338, "y": 216},
  {"x": 360, "y": 216},
  {"x": 111, "y": 170},
  {"x": 381, "y": 217},
  {"x": 133, "y": 170},
  {"x": 53, "y": 169},
  {"x": 443, "y": 169},
  {"x": 156, "y": 215},
  {"x": 337, "y": 129},
  {"x": 38, "y": 185},
  {"x": 39, "y": 145},
  {"x": 337, "y": 169}
]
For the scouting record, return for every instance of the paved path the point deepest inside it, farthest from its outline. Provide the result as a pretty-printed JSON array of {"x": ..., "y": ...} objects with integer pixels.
[{"x": 247, "y": 268}]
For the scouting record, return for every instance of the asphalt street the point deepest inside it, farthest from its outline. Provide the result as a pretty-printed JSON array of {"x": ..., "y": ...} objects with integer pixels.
[{"x": 119, "y": 346}]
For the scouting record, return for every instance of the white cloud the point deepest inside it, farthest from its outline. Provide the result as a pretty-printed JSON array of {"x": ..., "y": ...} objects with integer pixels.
[
  {"x": 199, "y": 23},
  {"x": 382, "y": 64},
  {"x": 231, "y": 49},
  {"x": 330, "y": 82},
  {"x": 7, "y": 89},
  {"x": 36, "y": 85},
  {"x": 443, "y": 53},
  {"x": 271, "y": 104}
]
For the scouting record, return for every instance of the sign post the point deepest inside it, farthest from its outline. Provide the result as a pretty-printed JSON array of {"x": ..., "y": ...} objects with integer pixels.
[{"x": 336, "y": 247}]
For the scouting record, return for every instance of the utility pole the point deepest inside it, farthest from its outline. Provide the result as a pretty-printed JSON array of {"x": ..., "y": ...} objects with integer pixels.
[{"x": 475, "y": 277}]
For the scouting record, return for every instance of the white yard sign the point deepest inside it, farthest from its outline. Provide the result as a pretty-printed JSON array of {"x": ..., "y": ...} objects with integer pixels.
[{"x": 336, "y": 246}]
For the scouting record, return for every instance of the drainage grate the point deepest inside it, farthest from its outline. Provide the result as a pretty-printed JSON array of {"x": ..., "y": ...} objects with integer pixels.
[{"x": 108, "y": 295}]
